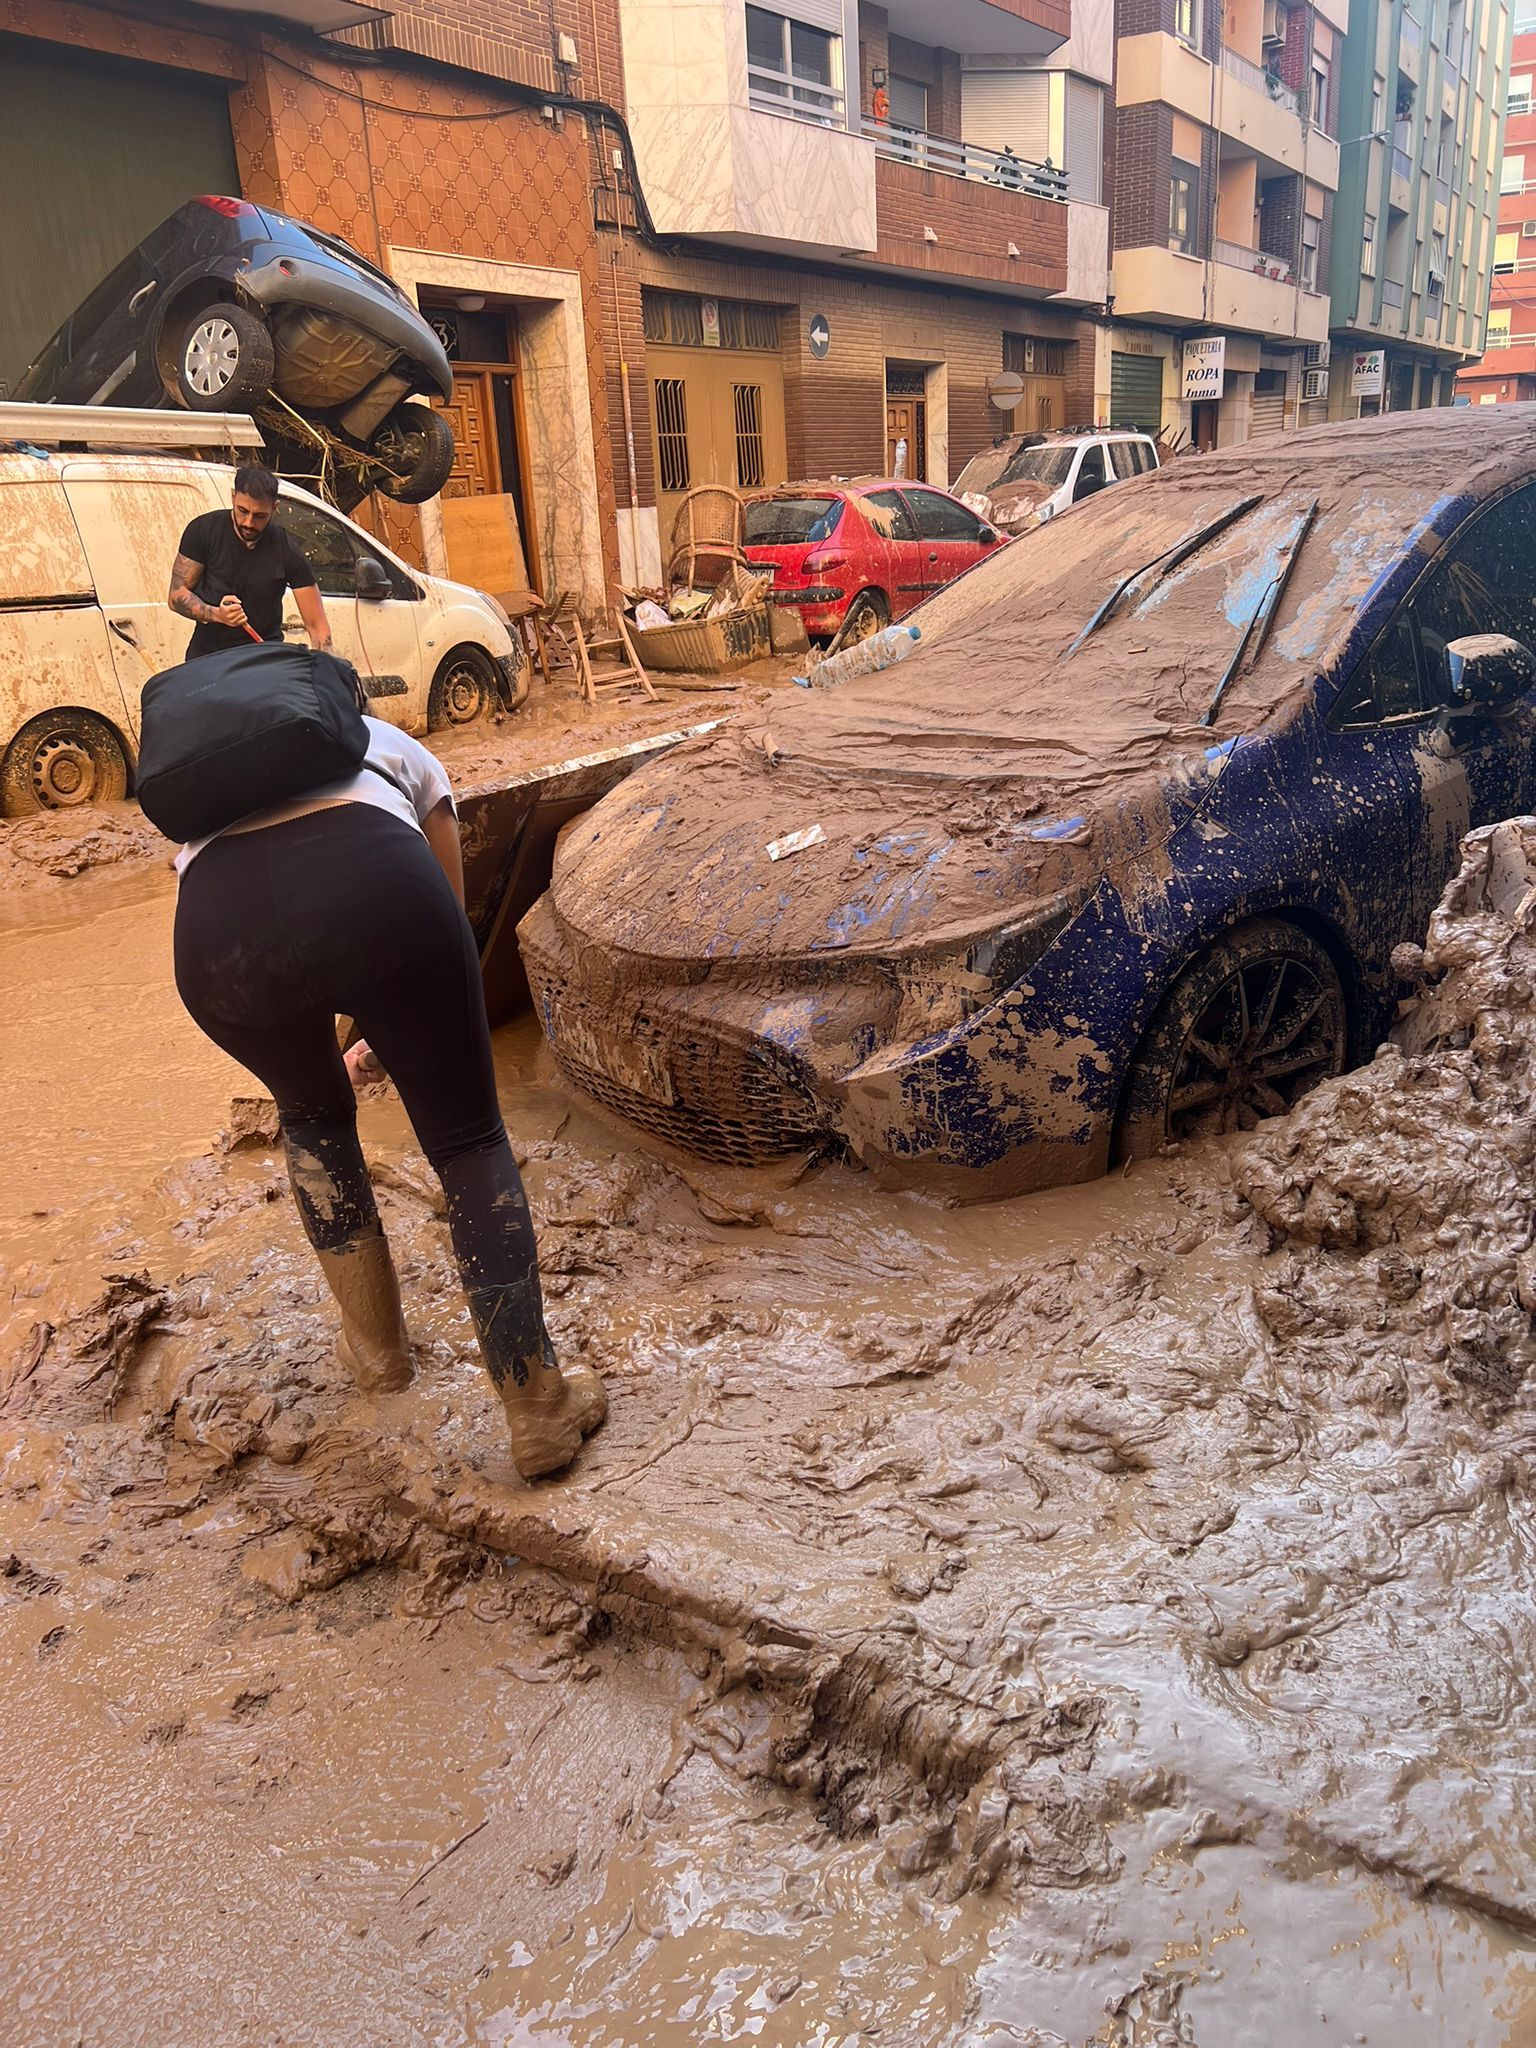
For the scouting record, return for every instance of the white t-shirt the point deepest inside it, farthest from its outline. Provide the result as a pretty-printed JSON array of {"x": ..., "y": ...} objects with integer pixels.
[{"x": 423, "y": 784}]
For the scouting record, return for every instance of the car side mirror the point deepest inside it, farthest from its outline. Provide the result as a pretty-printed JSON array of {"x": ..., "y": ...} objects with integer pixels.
[
  {"x": 373, "y": 581},
  {"x": 1487, "y": 672}
]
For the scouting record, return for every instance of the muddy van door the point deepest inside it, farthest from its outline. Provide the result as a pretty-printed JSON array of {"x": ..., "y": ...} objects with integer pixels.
[
  {"x": 130, "y": 513},
  {"x": 65, "y": 733}
]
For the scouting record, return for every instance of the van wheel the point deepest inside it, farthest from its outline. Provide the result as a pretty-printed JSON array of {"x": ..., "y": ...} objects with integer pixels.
[
  {"x": 462, "y": 688},
  {"x": 414, "y": 448},
  {"x": 868, "y": 615},
  {"x": 226, "y": 359},
  {"x": 60, "y": 760},
  {"x": 1242, "y": 1035}
]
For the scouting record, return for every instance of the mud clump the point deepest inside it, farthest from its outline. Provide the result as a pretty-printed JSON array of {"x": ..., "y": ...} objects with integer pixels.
[
  {"x": 1403, "y": 1192},
  {"x": 60, "y": 845}
]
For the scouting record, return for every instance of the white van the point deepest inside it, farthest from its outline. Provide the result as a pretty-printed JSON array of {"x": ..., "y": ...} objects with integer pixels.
[
  {"x": 1022, "y": 480},
  {"x": 86, "y": 547}
]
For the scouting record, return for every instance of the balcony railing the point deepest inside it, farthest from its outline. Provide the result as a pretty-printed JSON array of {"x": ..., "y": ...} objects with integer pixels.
[
  {"x": 965, "y": 160},
  {"x": 1505, "y": 340},
  {"x": 1240, "y": 257},
  {"x": 1391, "y": 294},
  {"x": 800, "y": 99},
  {"x": 1260, "y": 79}
]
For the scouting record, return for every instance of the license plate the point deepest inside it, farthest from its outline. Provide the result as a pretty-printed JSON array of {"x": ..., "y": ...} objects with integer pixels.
[{"x": 639, "y": 1068}]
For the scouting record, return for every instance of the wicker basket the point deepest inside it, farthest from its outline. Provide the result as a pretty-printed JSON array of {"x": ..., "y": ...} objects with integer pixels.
[{"x": 708, "y": 647}]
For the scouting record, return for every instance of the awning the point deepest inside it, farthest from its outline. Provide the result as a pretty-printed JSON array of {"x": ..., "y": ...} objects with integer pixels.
[{"x": 315, "y": 14}]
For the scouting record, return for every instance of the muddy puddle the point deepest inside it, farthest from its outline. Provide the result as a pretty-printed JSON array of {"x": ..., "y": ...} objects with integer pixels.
[{"x": 1098, "y": 1618}]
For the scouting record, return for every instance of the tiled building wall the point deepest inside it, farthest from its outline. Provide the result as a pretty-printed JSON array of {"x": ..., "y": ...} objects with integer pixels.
[
  {"x": 1280, "y": 218},
  {"x": 426, "y": 160}
]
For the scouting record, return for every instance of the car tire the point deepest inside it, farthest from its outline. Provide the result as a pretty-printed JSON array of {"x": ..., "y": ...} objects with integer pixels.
[
  {"x": 462, "y": 690},
  {"x": 225, "y": 360},
  {"x": 61, "y": 760},
  {"x": 414, "y": 447},
  {"x": 1244, "y": 1033},
  {"x": 868, "y": 615}
]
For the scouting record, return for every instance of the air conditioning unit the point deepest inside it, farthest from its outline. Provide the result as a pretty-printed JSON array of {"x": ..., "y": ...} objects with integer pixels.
[
  {"x": 1528, "y": 227},
  {"x": 1314, "y": 383},
  {"x": 1275, "y": 22},
  {"x": 1317, "y": 355}
]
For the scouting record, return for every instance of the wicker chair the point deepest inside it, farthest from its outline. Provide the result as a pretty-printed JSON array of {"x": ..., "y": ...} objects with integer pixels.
[{"x": 706, "y": 535}]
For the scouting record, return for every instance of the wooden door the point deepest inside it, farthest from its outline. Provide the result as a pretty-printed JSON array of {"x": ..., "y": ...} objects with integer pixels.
[
  {"x": 906, "y": 419},
  {"x": 1044, "y": 407},
  {"x": 476, "y": 470}
]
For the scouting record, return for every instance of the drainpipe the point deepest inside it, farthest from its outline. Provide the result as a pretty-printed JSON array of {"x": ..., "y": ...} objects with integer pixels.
[{"x": 629, "y": 419}]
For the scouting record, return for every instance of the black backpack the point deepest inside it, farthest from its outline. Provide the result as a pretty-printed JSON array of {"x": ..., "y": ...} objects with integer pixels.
[{"x": 244, "y": 730}]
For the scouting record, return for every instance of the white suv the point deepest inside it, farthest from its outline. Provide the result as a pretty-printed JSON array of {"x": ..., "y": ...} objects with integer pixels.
[{"x": 1025, "y": 479}]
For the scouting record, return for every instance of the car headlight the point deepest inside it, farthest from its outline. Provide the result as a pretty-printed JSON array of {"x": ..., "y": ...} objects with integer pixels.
[
  {"x": 1004, "y": 955},
  {"x": 499, "y": 609}
]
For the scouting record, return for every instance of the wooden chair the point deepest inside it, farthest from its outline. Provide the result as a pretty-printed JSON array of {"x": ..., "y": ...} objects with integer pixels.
[
  {"x": 706, "y": 534},
  {"x": 609, "y": 662}
]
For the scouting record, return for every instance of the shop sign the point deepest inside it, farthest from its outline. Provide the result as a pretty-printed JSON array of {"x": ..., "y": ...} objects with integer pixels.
[
  {"x": 1205, "y": 368},
  {"x": 1366, "y": 377}
]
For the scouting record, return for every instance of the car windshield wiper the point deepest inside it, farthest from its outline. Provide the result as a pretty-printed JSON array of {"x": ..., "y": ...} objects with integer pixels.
[
  {"x": 1259, "y": 618},
  {"x": 1169, "y": 560}
]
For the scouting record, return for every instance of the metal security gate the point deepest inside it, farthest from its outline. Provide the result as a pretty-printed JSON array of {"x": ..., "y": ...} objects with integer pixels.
[
  {"x": 103, "y": 151},
  {"x": 1136, "y": 392}
]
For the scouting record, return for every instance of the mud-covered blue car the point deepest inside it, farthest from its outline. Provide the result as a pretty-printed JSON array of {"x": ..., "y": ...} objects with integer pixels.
[{"x": 1119, "y": 856}]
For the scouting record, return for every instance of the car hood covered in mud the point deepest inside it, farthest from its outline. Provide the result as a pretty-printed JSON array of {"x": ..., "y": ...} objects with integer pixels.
[{"x": 1023, "y": 753}]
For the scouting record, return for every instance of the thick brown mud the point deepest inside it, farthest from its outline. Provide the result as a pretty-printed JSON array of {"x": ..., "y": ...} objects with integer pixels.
[{"x": 1098, "y": 1618}]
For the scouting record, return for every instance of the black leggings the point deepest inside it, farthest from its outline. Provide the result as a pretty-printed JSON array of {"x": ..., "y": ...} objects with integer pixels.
[{"x": 347, "y": 910}]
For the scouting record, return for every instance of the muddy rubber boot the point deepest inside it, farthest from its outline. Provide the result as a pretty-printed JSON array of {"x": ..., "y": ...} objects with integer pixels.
[
  {"x": 373, "y": 1345},
  {"x": 548, "y": 1412}
]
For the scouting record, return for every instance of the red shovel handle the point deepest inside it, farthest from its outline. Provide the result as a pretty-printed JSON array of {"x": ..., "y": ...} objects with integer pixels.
[{"x": 253, "y": 634}]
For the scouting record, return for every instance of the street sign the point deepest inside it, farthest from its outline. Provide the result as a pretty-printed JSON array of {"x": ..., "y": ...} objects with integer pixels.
[
  {"x": 710, "y": 314},
  {"x": 1205, "y": 367},
  {"x": 819, "y": 334},
  {"x": 1005, "y": 388},
  {"x": 1365, "y": 379}
]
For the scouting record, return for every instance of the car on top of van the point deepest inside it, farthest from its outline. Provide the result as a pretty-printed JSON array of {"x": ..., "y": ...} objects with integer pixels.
[{"x": 86, "y": 547}]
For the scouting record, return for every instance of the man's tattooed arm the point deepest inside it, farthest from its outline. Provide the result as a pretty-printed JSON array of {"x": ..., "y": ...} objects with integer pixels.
[{"x": 183, "y": 599}]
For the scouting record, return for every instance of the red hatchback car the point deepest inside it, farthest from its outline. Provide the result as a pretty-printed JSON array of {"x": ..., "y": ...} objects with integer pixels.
[{"x": 871, "y": 550}]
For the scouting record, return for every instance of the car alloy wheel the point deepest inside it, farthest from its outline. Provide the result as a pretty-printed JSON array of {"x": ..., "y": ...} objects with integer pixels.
[
  {"x": 1270, "y": 1032},
  {"x": 1254, "y": 1023}
]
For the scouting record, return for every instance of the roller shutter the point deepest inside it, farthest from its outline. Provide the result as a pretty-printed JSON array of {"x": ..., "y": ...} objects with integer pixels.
[
  {"x": 1007, "y": 109},
  {"x": 1268, "y": 415},
  {"x": 1085, "y": 139},
  {"x": 103, "y": 151},
  {"x": 1136, "y": 392}
]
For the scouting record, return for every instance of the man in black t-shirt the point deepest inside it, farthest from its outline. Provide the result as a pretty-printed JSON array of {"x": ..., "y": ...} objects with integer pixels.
[{"x": 233, "y": 567}]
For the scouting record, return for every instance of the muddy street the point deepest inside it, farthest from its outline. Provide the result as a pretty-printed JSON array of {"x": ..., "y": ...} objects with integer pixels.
[{"x": 1094, "y": 1618}]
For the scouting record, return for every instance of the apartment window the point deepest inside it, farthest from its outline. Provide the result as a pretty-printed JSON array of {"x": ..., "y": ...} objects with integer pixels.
[
  {"x": 672, "y": 432},
  {"x": 1183, "y": 208},
  {"x": 1498, "y": 327},
  {"x": 751, "y": 471},
  {"x": 1311, "y": 236},
  {"x": 1506, "y": 248},
  {"x": 1519, "y": 101},
  {"x": 1368, "y": 253},
  {"x": 793, "y": 68},
  {"x": 1186, "y": 22},
  {"x": 1435, "y": 282},
  {"x": 1378, "y": 108},
  {"x": 1512, "y": 174},
  {"x": 1319, "y": 93}
]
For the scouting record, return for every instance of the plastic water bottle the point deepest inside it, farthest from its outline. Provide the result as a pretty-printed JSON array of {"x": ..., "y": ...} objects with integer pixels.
[{"x": 880, "y": 650}]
